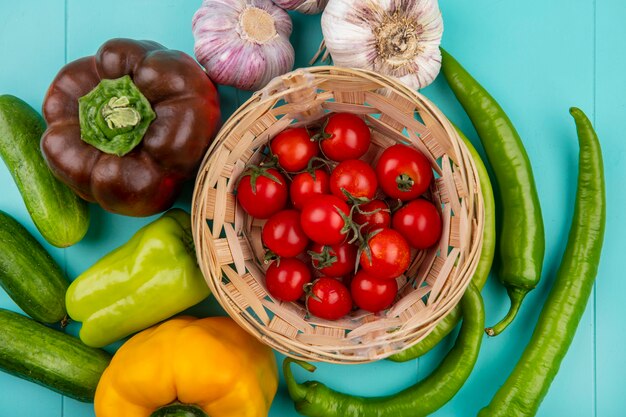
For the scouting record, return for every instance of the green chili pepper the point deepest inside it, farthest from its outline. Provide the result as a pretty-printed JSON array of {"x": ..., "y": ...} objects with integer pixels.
[
  {"x": 314, "y": 399},
  {"x": 522, "y": 241},
  {"x": 148, "y": 279},
  {"x": 523, "y": 391},
  {"x": 448, "y": 323}
]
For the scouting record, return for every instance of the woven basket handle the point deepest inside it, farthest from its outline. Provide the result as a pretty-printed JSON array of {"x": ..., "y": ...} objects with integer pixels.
[{"x": 299, "y": 89}]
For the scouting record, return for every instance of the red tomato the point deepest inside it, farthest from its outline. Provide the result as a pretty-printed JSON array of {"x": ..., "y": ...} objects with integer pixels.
[
  {"x": 419, "y": 222},
  {"x": 283, "y": 235},
  {"x": 262, "y": 192},
  {"x": 403, "y": 172},
  {"x": 345, "y": 136},
  {"x": 334, "y": 261},
  {"x": 304, "y": 186},
  {"x": 372, "y": 294},
  {"x": 376, "y": 214},
  {"x": 321, "y": 219},
  {"x": 285, "y": 279},
  {"x": 294, "y": 149},
  {"x": 329, "y": 299},
  {"x": 355, "y": 177},
  {"x": 389, "y": 255}
]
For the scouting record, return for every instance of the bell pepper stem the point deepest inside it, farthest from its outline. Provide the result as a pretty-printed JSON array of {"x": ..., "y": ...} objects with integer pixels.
[
  {"x": 517, "y": 296},
  {"x": 119, "y": 114},
  {"x": 296, "y": 391},
  {"x": 179, "y": 410},
  {"x": 114, "y": 116}
]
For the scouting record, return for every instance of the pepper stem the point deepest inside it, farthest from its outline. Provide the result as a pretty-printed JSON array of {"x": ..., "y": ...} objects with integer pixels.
[
  {"x": 118, "y": 113},
  {"x": 114, "y": 116},
  {"x": 177, "y": 409},
  {"x": 517, "y": 296},
  {"x": 296, "y": 391}
]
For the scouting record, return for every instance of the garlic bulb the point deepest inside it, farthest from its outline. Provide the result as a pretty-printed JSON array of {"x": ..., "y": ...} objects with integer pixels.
[
  {"x": 243, "y": 43},
  {"x": 303, "y": 6},
  {"x": 399, "y": 38}
]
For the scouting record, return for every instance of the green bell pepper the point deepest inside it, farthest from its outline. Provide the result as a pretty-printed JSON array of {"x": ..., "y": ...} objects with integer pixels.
[{"x": 148, "y": 279}]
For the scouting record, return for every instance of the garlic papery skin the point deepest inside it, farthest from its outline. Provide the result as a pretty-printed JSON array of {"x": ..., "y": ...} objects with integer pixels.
[
  {"x": 397, "y": 38},
  {"x": 302, "y": 6},
  {"x": 243, "y": 43}
]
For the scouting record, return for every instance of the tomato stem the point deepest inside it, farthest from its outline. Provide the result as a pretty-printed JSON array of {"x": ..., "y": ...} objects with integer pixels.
[
  {"x": 324, "y": 259},
  {"x": 254, "y": 172},
  {"x": 271, "y": 256},
  {"x": 355, "y": 201},
  {"x": 349, "y": 225},
  {"x": 404, "y": 182},
  {"x": 318, "y": 137}
]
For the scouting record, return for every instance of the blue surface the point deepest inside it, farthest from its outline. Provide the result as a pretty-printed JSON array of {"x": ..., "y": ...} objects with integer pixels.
[{"x": 537, "y": 58}]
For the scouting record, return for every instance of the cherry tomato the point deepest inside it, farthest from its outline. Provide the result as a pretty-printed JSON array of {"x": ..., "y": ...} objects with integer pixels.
[
  {"x": 283, "y": 234},
  {"x": 345, "y": 136},
  {"x": 376, "y": 214},
  {"x": 285, "y": 279},
  {"x": 335, "y": 260},
  {"x": 403, "y": 172},
  {"x": 304, "y": 186},
  {"x": 321, "y": 219},
  {"x": 387, "y": 255},
  {"x": 372, "y": 294},
  {"x": 294, "y": 149},
  {"x": 328, "y": 299},
  {"x": 419, "y": 222},
  {"x": 262, "y": 192},
  {"x": 355, "y": 177}
]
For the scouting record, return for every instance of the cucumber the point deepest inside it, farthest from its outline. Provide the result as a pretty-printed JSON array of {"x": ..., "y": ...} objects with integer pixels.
[
  {"x": 59, "y": 214},
  {"x": 29, "y": 274},
  {"x": 49, "y": 358}
]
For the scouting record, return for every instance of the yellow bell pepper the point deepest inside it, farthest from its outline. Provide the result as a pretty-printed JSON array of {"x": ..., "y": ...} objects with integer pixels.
[{"x": 189, "y": 367}]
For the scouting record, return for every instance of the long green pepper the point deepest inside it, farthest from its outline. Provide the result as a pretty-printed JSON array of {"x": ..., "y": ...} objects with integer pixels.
[
  {"x": 521, "y": 240},
  {"x": 315, "y": 399},
  {"x": 448, "y": 323},
  {"x": 528, "y": 384}
]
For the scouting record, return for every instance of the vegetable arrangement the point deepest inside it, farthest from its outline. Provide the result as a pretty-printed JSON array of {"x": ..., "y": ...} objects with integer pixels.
[
  {"x": 526, "y": 387},
  {"x": 127, "y": 126},
  {"x": 340, "y": 245},
  {"x": 124, "y": 127}
]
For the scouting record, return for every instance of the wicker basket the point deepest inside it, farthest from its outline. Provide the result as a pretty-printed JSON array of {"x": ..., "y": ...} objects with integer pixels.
[{"x": 228, "y": 241}]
